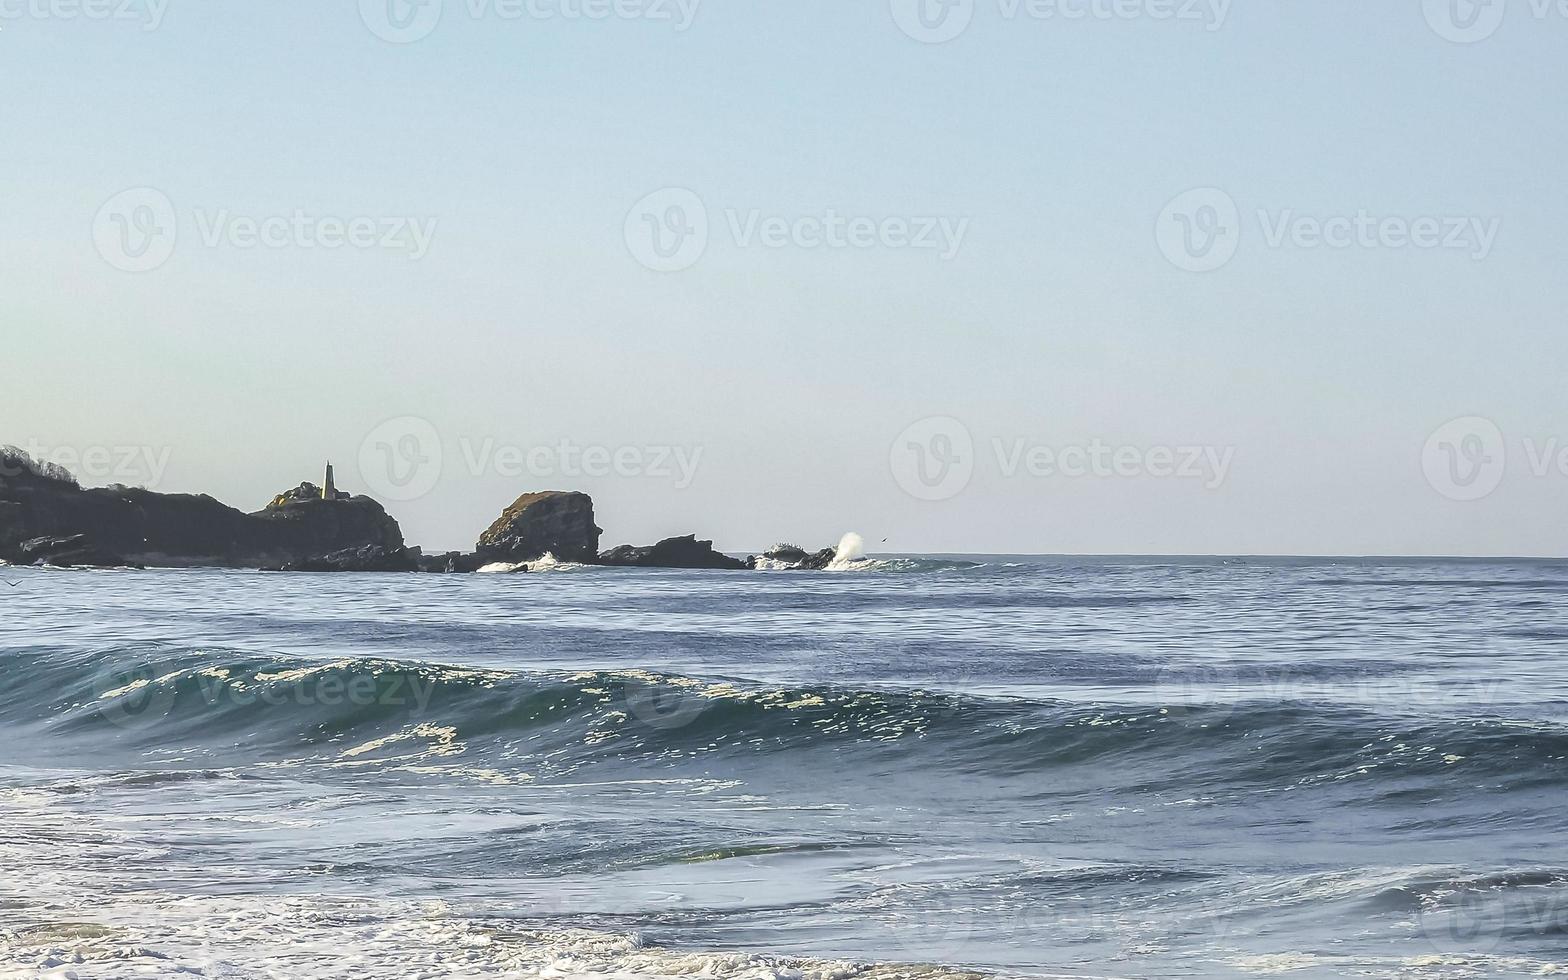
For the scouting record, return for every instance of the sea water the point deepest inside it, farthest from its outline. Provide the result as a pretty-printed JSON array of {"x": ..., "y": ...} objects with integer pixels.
[{"x": 902, "y": 767}]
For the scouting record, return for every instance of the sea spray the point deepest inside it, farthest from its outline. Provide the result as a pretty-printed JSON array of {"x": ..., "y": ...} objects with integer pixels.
[{"x": 851, "y": 549}]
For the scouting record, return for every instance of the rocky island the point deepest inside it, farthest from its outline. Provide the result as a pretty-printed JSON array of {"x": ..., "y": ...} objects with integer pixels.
[{"x": 48, "y": 518}]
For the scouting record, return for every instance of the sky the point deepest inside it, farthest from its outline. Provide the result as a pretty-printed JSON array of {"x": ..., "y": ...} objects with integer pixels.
[{"x": 1061, "y": 276}]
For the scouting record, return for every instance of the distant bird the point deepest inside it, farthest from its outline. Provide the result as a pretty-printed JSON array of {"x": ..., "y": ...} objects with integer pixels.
[{"x": 10, "y": 583}]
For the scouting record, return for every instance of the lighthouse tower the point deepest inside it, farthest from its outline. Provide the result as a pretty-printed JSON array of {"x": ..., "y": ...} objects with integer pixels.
[{"x": 329, "y": 489}]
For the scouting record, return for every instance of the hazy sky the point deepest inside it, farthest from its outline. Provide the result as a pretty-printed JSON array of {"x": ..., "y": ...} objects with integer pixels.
[{"x": 772, "y": 271}]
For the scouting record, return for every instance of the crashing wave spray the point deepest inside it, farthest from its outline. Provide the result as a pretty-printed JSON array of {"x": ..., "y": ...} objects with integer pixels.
[{"x": 851, "y": 549}]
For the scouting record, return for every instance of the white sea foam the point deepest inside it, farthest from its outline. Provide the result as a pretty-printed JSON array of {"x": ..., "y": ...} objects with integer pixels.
[
  {"x": 347, "y": 939},
  {"x": 851, "y": 549},
  {"x": 503, "y": 568},
  {"x": 766, "y": 564},
  {"x": 548, "y": 563}
]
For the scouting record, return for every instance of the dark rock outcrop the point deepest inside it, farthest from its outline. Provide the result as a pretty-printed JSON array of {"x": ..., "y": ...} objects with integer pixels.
[
  {"x": 684, "y": 552},
  {"x": 786, "y": 552},
  {"x": 139, "y": 527},
  {"x": 366, "y": 558},
  {"x": 799, "y": 560},
  {"x": 314, "y": 528},
  {"x": 71, "y": 551},
  {"x": 451, "y": 563},
  {"x": 553, "y": 522},
  {"x": 46, "y": 517},
  {"x": 817, "y": 562}
]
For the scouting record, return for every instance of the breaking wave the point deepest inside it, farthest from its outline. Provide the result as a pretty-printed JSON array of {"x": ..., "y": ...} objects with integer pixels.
[{"x": 362, "y": 712}]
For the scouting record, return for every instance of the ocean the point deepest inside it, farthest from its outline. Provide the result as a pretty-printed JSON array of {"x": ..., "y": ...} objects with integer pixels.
[{"x": 913, "y": 767}]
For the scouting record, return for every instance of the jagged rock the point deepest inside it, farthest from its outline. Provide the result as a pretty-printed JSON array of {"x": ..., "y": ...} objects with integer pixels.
[
  {"x": 786, "y": 552},
  {"x": 75, "y": 550},
  {"x": 310, "y": 528},
  {"x": 683, "y": 552},
  {"x": 451, "y": 563},
  {"x": 303, "y": 493},
  {"x": 367, "y": 558},
  {"x": 140, "y": 527},
  {"x": 817, "y": 562},
  {"x": 553, "y": 522},
  {"x": 794, "y": 558}
]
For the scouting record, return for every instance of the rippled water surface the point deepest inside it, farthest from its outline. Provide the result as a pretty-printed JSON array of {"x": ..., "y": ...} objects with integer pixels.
[{"x": 1046, "y": 767}]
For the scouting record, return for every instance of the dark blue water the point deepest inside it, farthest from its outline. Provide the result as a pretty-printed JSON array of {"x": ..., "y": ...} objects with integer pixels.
[{"x": 1052, "y": 767}]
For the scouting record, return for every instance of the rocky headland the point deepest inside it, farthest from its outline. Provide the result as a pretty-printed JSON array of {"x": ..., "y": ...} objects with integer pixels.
[{"x": 47, "y": 518}]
